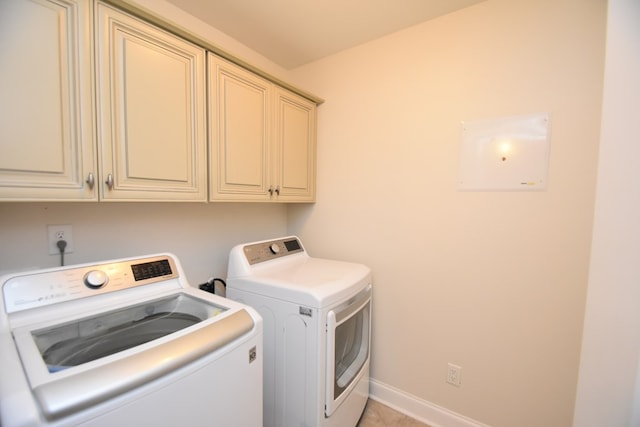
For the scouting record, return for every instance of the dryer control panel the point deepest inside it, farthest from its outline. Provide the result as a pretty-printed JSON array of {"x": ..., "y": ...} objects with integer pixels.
[{"x": 268, "y": 250}]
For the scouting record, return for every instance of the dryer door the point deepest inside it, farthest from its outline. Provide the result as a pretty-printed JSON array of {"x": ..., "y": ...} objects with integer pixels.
[{"x": 348, "y": 336}]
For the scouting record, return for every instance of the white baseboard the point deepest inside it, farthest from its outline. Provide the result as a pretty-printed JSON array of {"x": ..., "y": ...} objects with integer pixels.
[{"x": 418, "y": 409}]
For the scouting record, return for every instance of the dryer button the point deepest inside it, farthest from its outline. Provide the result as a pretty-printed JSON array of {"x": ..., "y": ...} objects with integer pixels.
[{"x": 274, "y": 248}]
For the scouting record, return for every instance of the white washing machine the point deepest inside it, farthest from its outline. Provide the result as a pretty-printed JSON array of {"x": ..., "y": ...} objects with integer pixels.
[
  {"x": 317, "y": 323},
  {"x": 126, "y": 342}
]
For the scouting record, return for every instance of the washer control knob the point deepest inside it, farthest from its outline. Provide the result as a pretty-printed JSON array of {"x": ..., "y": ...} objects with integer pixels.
[
  {"x": 274, "y": 248},
  {"x": 95, "y": 279}
]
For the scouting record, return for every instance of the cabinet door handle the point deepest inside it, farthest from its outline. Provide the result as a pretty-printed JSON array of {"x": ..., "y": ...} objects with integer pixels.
[
  {"x": 271, "y": 190},
  {"x": 278, "y": 190},
  {"x": 109, "y": 181},
  {"x": 90, "y": 180}
]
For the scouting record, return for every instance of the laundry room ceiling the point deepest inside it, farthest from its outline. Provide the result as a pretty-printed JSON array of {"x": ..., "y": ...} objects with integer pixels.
[{"x": 292, "y": 33}]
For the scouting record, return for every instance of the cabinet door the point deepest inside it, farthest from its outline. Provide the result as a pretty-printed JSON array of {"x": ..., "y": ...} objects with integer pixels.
[
  {"x": 239, "y": 120},
  {"x": 151, "y": 111},
  {"x": 46, "y": 126},
  {"x": 295, "y": 147}
]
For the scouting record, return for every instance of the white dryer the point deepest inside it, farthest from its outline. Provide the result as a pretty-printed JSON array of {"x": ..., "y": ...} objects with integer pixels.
[
  {"x": 125, "y": 342},
  {"x": 317, "y": 323}
]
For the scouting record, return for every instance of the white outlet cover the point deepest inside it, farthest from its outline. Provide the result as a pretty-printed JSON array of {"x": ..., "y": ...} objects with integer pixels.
[
  {"x": 508, "y": 154},
  {"x": 52, "y": 230},
  {"x": 454, "y": 374}
]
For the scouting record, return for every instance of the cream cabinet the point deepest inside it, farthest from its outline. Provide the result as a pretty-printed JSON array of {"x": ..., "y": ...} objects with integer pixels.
[
  {"x": 239, "y": 129},
  {"x": 294, "y": 147},
  {"x": 97, "y": 104},
  {"x": 150, "y": 111},
  {"x": 262, "y": 138},
  {"x": 47, "y": 146}
]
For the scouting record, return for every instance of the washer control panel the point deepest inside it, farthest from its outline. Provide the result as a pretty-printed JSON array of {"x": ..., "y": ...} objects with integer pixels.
[
  {"x": 23, "y": 291},
  {"x": 96, "y": 279},
  {"x": 266, "y": 251}
]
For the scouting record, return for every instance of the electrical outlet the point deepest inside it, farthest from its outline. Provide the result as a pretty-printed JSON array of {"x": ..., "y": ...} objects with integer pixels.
[
  {"x": 454, "y": 374},
  {"x": 60, "y": 232}
]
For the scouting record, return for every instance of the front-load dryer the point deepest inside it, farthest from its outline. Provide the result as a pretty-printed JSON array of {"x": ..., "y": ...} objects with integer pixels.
[{"x": 317, "y": 329}]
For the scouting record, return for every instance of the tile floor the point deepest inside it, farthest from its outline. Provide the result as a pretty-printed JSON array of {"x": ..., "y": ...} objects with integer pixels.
[{"x": 378, "y": 415}]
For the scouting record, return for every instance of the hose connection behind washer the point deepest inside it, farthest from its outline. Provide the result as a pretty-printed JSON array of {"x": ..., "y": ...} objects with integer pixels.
[{"x": 210, "y": 286}]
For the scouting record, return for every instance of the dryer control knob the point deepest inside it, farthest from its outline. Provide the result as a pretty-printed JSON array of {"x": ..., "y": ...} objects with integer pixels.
[
  {"x": 95, "y": 279},
  {"x": 274, "y": 248}
]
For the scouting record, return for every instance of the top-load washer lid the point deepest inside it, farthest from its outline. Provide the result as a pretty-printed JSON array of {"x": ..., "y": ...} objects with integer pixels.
[
  {"x": 291, "y": 275},
  {"x": 76, "y": 364},
  {"x": 94, "y": 337},
  {"x": 81, "y": 344}
]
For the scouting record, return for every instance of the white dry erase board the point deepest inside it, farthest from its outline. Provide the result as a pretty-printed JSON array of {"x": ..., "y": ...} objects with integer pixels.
[{"x": 508, "y": 154}]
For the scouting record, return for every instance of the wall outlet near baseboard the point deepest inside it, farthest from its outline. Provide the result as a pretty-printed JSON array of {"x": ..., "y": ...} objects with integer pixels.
[{"x": 454, "y": 374}]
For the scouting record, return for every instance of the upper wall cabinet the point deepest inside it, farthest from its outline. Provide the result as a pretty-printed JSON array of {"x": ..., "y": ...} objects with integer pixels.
[
  {"x": 294, "y": 147},
  {"x": 151, "y": 111},
  {"x": 240, "y": 129},
  {"x": 46, "y": 127},
  {"x": 262, "y": 138},
  {"x": 97, "y": 104}
]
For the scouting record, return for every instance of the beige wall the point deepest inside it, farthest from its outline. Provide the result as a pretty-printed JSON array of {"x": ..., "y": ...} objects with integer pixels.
[
  {"x": 201, "y": 235},
  {"x": 609, "y": 386},
  {"x": 492, "y": 281}
]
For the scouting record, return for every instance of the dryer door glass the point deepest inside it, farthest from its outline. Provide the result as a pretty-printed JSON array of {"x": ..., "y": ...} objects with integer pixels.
[{"x": 348, "y": 346}]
